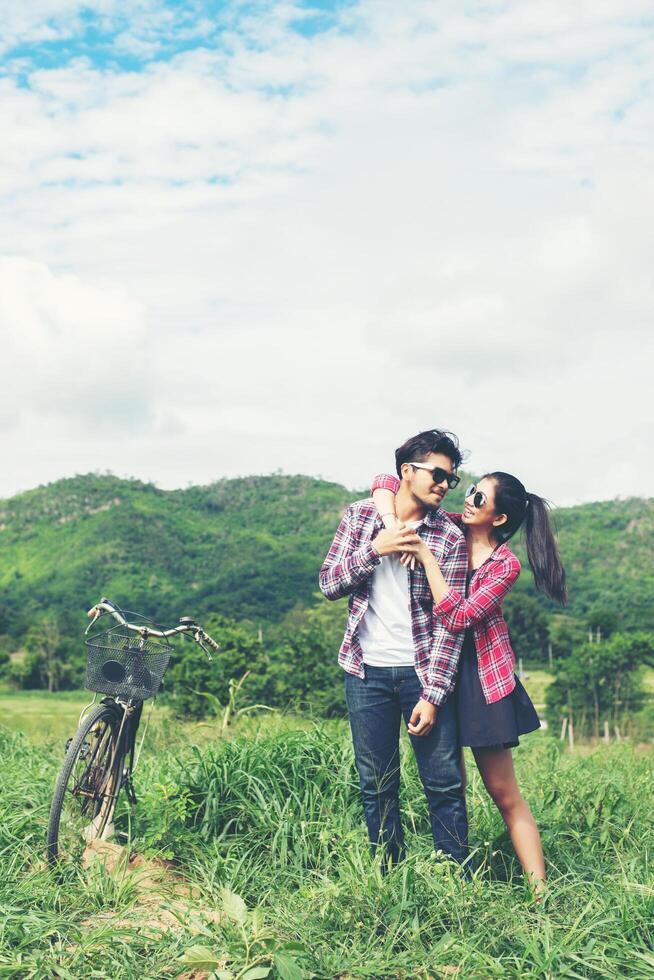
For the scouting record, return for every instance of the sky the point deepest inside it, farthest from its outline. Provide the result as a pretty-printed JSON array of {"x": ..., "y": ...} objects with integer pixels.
[{"x": 246, "y": 237}]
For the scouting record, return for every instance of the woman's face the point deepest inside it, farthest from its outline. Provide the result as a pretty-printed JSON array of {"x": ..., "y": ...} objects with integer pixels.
[{"x": 484, "y": 516}]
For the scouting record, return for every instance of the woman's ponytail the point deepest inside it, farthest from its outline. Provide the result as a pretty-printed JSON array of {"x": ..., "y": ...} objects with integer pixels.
[
  {"x": 520, "y": 507},
  {"x": 543, "y": 551}
]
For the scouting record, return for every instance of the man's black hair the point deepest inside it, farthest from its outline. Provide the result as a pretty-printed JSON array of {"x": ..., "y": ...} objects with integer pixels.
[{"x": 432, "y": 441}]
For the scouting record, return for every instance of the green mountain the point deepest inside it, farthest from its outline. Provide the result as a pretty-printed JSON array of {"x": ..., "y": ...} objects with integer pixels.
[{"x": 251, "y": 548}]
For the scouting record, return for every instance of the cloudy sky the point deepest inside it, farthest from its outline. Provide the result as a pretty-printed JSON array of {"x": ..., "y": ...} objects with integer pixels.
[{"x": 238, "y": 237}]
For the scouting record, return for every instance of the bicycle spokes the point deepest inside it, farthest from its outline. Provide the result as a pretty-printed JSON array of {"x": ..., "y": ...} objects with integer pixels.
[{"x": 87, "y": 788}]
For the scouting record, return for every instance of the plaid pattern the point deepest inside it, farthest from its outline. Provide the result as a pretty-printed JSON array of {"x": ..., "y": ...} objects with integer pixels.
[
  {"x": 481, "y": 610},
  {"x": 347, "y": 570}
]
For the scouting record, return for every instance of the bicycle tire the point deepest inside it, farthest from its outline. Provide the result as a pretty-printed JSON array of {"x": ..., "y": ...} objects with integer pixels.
[{"x": 82, "y": 811}]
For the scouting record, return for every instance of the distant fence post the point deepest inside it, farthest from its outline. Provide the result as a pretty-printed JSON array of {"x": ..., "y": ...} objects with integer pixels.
[
  {"x": 571, "y": 735},
  {"x": 607, "y": 737},
  {"x": 549, "y": 655},
  {"x": 521, "y": 670},
  {"x": 617, "y": 734},
  {"x": 563, "y": 729}
]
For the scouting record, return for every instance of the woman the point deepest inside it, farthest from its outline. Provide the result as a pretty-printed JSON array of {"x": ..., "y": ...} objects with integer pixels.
[{"x": 493, "y": 707}]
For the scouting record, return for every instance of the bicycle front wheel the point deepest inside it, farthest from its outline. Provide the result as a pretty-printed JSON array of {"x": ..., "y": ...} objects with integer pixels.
[{"x": 87, "y": 786}]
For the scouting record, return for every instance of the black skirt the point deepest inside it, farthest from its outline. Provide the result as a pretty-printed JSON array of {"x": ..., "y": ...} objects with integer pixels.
[{"x": 497, "y": 725}]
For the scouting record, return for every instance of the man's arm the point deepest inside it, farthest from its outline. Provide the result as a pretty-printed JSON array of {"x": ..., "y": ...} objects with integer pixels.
[
  {"x": 346, "y": 565},
  {"x": 446, "y": 648},
  {"x": 349, "y": 563}
]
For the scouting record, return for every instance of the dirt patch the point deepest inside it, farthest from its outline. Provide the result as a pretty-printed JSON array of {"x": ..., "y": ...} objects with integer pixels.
[{"x": 163, "y": 900}]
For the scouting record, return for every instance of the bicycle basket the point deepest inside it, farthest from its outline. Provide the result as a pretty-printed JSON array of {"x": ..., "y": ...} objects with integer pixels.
[{"x": 124, "y": 665}]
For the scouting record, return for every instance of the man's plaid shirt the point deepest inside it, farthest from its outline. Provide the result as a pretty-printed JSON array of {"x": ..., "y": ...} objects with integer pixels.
[{"x": 348, "y": 568}]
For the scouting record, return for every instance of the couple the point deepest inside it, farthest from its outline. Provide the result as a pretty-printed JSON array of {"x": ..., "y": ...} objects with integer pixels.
[{"x": 425, "y": 639}]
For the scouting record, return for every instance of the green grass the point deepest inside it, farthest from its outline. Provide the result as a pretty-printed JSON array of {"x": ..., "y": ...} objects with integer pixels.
[
  {"x": 267, "y": 825},
  {"x": 40, "y": 715}
]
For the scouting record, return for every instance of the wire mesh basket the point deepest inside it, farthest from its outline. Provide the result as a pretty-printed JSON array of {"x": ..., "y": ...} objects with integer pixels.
[{"x": 125, "y": 665}]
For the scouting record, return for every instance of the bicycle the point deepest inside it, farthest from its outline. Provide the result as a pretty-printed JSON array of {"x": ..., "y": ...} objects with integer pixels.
[{"x": 126, "y": 663}]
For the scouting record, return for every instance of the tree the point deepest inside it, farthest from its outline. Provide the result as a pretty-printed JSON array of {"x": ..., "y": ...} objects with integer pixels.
[
  {"x": 304, "y": 664},
  {"x": 192, "y": 675},
  {"x": 49, "y": 661},
  {"x": 602, "y": 622},
  {"x": 600, "y": 682},
  {"x": 566, "y": 634},
  {"x": 528, "y": 626}
]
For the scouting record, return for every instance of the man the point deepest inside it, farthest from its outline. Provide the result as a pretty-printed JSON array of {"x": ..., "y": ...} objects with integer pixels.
[{"x": 398, "y": 657}]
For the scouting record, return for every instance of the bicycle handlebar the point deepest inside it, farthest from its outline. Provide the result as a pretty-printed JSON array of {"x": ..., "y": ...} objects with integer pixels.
[{"x": 186, "y": 625}]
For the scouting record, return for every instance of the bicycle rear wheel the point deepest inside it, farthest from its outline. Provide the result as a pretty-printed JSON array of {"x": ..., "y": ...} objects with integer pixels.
[{"x": 87, "y": 786}]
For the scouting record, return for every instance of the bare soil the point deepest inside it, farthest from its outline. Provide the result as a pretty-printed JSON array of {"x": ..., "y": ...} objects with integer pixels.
[{"x": 164, "y": 900}]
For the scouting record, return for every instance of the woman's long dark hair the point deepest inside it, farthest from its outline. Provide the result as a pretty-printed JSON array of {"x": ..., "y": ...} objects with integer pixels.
[{"x": 529, "y": 509}]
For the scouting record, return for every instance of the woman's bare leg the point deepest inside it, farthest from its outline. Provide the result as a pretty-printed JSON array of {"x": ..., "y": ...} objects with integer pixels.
[{"x": 498, "y": 774}]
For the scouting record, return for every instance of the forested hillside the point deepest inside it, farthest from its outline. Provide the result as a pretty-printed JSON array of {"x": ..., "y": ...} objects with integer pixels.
[
  {"x": 250, "y": 549},
  {"x": 247, "y": 548}
]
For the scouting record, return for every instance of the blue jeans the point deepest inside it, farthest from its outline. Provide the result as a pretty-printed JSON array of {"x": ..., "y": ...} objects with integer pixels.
[{"x": 376, "y": 706}]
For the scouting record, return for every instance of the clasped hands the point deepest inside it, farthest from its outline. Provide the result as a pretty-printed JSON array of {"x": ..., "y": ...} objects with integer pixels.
[{"x": 404, "y": 541}]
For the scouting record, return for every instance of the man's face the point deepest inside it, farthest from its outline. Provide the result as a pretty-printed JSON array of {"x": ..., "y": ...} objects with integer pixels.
[{"x": 421, "y": 481}]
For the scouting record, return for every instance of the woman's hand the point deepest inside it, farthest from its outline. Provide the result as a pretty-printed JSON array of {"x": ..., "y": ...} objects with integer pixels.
[
  {"x": 409, "y": 561},
  {"x": 417, "y": 550}
]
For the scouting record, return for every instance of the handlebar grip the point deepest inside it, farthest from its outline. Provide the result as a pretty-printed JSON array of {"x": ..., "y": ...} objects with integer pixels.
[{"x": 210, "y": 642}]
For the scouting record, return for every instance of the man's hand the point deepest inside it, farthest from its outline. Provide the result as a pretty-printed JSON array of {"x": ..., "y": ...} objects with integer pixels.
[
  {"x": 423, "y": 718},
  {"x": 393, "y": 540}
]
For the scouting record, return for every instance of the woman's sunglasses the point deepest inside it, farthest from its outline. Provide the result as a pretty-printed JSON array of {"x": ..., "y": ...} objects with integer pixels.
[
  {"x": 438, "y": 474},
  {"x": 479, "y": 498}
]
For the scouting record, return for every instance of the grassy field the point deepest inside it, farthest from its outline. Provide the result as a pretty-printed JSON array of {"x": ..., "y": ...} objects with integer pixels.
[
  {"x": 47, "y": 717},
  {"x": 40, "y": 715},
  {"x": 44, "y": 716},
  {"x": 264, "y": 827}
]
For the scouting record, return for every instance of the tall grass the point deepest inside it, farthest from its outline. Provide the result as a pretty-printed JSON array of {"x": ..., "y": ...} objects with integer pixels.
[{"x": 268, "y": 826}]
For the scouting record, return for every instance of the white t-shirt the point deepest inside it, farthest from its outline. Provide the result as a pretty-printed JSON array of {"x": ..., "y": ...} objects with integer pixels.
[{"x": 385, "y": 631}]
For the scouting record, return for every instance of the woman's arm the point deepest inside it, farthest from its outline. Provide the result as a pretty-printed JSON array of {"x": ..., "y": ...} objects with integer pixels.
[
  {"x": 384, "y": 487},
  {"x": 452, "y": 608}
]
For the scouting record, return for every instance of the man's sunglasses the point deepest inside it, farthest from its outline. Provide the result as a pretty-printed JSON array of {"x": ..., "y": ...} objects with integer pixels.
[
  {"x": 438, "y": 474},
  {"x": 479, "y": 498}
]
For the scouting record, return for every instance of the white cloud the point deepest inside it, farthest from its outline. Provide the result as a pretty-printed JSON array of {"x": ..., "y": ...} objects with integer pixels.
[
  {"x": 75, "y": 352},
  {"x": 44, "y": 20},
  {"x": 324, "y": 243}
]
